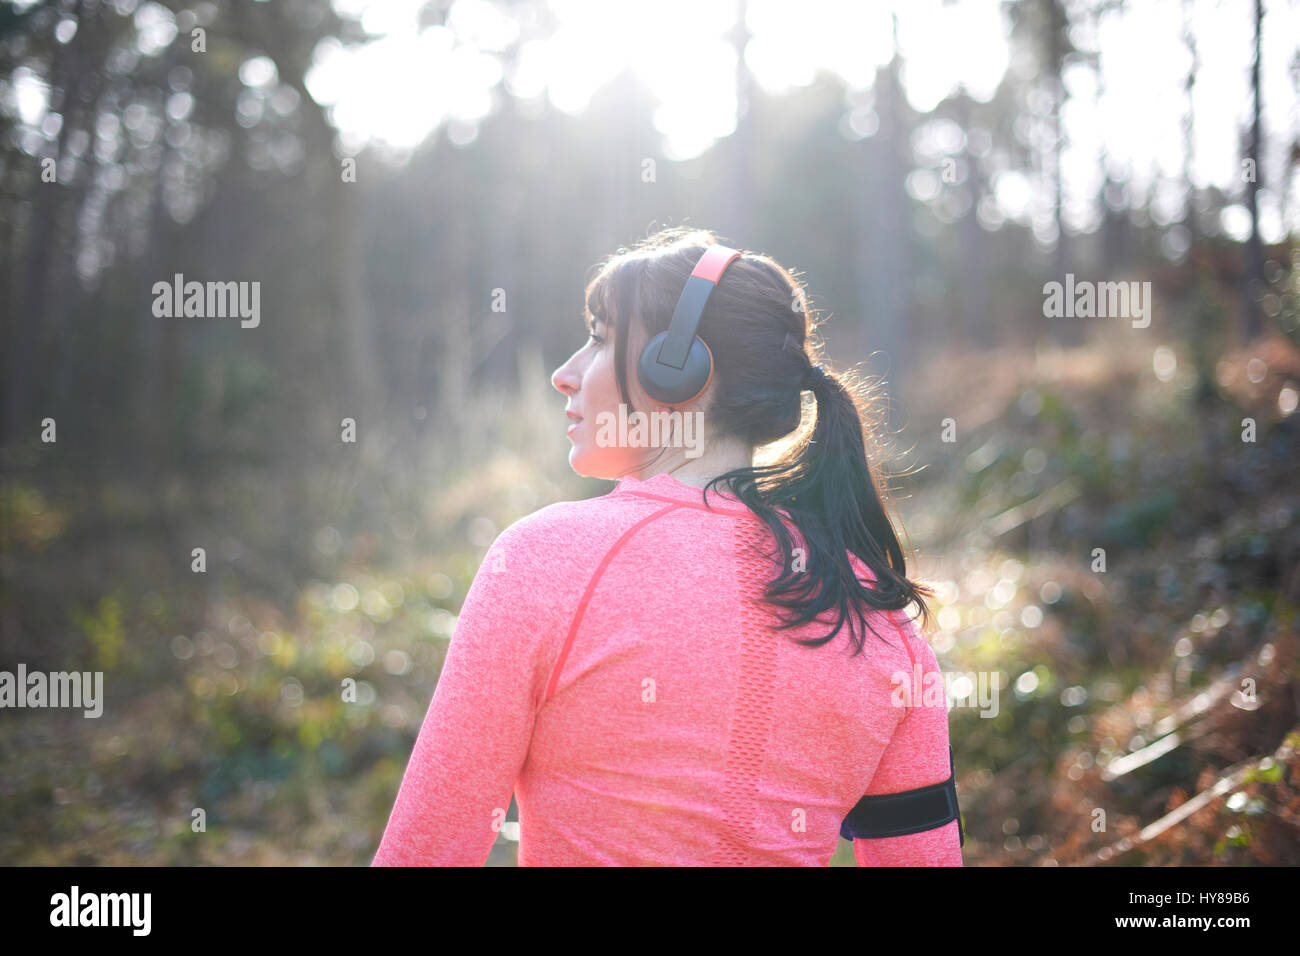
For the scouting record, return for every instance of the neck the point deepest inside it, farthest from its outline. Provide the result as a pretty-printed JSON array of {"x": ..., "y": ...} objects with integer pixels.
[{"x": 720, "y": 458}]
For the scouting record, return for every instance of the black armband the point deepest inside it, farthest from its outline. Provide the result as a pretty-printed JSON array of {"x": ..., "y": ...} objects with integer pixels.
[{"x": 910, "y": 811}]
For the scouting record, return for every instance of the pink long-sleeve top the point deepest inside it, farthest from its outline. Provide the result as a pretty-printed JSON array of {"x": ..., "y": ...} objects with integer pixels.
[{"x": 611, "y": 666}]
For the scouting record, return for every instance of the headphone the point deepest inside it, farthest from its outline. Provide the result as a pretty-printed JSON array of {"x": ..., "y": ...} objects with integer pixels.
[{"x": 676, "y": 367}]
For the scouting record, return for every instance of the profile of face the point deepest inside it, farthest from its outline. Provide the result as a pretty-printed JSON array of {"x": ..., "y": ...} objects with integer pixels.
[{"x": 589, "y": 382}]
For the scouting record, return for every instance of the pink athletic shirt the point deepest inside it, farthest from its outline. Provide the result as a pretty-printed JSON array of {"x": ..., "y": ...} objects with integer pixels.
[{"x": 611, "y": 667}]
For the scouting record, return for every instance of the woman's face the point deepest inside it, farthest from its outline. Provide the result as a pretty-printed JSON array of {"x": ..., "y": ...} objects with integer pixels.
[{"x": 588, "y": 380}]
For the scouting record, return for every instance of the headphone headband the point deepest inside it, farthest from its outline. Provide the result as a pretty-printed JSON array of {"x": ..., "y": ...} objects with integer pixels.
[
  {"x": 714, "y": 262},
  {"x": 690, "y": 305}
]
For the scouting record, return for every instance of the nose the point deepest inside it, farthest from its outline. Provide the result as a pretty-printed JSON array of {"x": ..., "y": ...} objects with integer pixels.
[{"x": 565, "y": 378}]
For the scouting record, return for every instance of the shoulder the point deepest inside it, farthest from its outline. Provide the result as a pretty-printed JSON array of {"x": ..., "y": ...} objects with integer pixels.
[
  {"x": 566, "y": 531},
  {"x": 538, "y": 567},
  {"x": 548, "y": 527},
  {"x": 531, "y": 567}
]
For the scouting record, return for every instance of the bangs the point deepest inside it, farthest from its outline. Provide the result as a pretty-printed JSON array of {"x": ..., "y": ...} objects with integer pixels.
[
  {"x": 613, "y": 297},
  {"x": 599, "y": 295},
  {"x": 596, "y": 310}
]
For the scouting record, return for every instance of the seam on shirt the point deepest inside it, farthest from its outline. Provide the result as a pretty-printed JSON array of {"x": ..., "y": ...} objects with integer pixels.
[
  {"x": 911, "y": 674},
  {"x": 753, "y": 709},
  {"x": 591, "y": 589},
  {"x": 734, "y": 508}
]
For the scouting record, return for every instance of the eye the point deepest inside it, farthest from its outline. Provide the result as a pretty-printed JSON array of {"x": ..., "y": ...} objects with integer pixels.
[{"x": 599, "y": 340}]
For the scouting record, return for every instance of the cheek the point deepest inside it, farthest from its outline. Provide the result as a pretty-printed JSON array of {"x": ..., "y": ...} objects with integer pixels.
[{"x": 602, "y": 383}]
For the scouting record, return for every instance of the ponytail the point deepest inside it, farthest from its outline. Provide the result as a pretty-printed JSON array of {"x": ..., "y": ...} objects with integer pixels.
[{"x": 826, "y": 486}]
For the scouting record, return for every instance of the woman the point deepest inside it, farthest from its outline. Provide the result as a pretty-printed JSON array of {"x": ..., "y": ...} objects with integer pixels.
[{"x": 678, "y": 672}]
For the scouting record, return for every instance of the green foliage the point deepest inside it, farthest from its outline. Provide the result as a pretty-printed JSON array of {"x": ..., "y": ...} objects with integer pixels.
[
  {"x": 103, "y": 630},
  {"x": 27, "y": 516},
  {"x": 1135, "y": 522}
]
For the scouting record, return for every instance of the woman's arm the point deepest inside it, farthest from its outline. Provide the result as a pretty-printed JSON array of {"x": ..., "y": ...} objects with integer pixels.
[
  {"x": 474, "y": 739},
  {"x": 916, "y": 756}
]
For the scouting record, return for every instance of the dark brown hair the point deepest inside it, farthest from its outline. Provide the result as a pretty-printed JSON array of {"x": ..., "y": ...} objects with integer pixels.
[{"x": 760, "y": 330}]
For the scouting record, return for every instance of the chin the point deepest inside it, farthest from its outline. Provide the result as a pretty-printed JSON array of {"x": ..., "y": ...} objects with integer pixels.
[
  {"x": 593, "y": 465},
  {"x": 581, "y": 463}
]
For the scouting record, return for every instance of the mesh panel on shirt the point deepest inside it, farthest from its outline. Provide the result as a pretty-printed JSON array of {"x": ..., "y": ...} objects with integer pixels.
[{"x": 752, "y": 710}]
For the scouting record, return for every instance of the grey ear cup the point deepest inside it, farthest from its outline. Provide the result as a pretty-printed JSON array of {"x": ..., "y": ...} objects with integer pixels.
[{"x": 670, "y": 385}]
